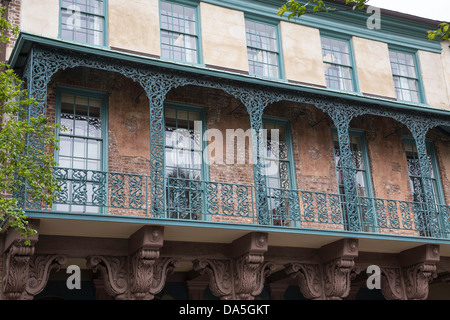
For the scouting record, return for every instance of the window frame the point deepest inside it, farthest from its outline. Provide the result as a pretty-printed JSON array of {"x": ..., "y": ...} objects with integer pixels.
[
  {"x": 367, "y": 174},
  {"x": 439, "y": 192},
  {"x": 199, "y": 51},
  {"x": 204, "y": 145},
  {"x": 291, "y": 171},
  {"x": 105, "y": 36},
  {"x": 419, "y": 81},
  {"x": 280, "y": 60},
  {"x": 354, "y": 73},
  {"x": 88, "y": 93}
]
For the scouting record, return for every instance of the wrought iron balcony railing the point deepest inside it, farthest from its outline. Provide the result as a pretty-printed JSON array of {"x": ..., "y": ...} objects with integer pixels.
[{"x": 95, "y": 192}]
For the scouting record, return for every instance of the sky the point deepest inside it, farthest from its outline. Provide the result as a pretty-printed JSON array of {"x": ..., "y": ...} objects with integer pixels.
[{"x": 432, "y": 9}]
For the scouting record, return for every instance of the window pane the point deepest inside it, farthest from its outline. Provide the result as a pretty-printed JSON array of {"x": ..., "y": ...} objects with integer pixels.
[
  {"x": 406, "y": 80},
  {"x": 337, "y": 63},
  {"x": 262, "y": 49},
  {"x": 178, "y": 32}
]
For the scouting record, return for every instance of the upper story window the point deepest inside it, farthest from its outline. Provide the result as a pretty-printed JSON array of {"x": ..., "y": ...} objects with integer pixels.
[
  {"x": 83, "y": 21},
  {"x": 338, "y": 62},
  {"x": 179, "y": 34},
  {"x": 406, "y": 79},
  {"x": 263, "y": 49}
]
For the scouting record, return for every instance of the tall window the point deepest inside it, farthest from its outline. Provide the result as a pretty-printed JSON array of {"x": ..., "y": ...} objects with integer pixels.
[
  {"x": 83, "y": 21},
  {"x": 414, "y": 173},
  {"x": 82, "y": 146},
  {"x": 337, "y": 58},
  {"x": 424, "y": 223},
  {"x": 184, "y": 162},
  {"x": 360, "y": 168},
  {"x": 179, "y": 37},
  {"x": 278, "y": 166},
  {"x": 263, "y": 49},
  {"x": 406, "y": 79}
]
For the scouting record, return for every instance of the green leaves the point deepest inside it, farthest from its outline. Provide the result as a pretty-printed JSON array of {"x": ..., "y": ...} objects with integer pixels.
[
  {"x": 443, "y": 32},
  {"x": 296, "y": 9},
  {"x": 26, "y": 148}
]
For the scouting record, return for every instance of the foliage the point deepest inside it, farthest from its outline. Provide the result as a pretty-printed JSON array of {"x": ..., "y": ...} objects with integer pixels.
[
  {"x": 443, "y": 32},
  {"x": 23, "y": 165},
  {"x": 296, "y": 9}
]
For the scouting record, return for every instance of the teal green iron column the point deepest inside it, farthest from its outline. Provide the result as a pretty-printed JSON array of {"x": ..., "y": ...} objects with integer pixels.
[
  {"x": 341, "y": 118},
  {"x": 431, "y": 225}
]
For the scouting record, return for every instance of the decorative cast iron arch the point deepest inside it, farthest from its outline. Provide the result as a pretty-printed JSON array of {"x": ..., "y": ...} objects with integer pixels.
[{"x": 44, "y": 62}]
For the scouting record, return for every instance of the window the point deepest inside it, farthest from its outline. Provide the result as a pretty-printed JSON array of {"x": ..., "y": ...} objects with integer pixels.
[
  {"x": 83, "y": 147},
  {"x": 414, "y": 173},
  {"x": 263, "y": 49},
  {"x": 184, "y": 166},
  {"x": 337, "y": 59},
  {"x": 278, "y": 170},
  {"x": 406, "y": 80},
  {"x": 179, "y": 35},
  {"x": 425, "y": 223},
  {"x": 83, "y": 21},
  {"x": 360, "y": 166}
]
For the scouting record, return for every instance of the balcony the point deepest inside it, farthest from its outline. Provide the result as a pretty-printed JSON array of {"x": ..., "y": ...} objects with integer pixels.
[{"x": 129, "y": 195}]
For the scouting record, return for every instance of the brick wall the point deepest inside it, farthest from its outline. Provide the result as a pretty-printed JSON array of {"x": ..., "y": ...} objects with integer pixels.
[{"x": 129, "y": 132}]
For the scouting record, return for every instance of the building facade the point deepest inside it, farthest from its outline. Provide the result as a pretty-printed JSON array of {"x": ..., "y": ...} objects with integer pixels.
[{"x": 214, "y": 150}]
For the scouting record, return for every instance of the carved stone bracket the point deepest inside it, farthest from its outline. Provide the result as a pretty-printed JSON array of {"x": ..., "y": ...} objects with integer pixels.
[
  {"x": 410, "y": 281},
  {"x": 242, "y": 277},
  {"x": 17, "y": 271},
  {"x": 250, "y": 271},
  {"x": 141, "y": 274},
  {"x": 40, "y": 268},
  {"x": 338, "y": 267},
  {"x": 219, "y": 274},
  {"x": 309, "y": 278}
]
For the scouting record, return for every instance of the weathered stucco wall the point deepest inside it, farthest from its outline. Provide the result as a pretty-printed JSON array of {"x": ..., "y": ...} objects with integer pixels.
[
  {"x": 223, "y": 37},
  {"x": 302, "y": 52},
  {"x": 445, "y": 58},
  {"x": 35, "y": 17},
  {"x": 434, "y": 81},
  {"x": 134, "y": 25},
  {"x": 373, "y": 67}
]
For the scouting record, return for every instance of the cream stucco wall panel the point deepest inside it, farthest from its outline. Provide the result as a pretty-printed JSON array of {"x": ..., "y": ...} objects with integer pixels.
[
  {"x": 302, "y": 53},
  {"x": 134, "y": 25},
  {"x": 445, "y": 58},
  {"x": 34, "y": 17},
  {"x": 373, "y": 67},
  {"x": 223, "y": 37},
  {"x": 433, "y": 78}
]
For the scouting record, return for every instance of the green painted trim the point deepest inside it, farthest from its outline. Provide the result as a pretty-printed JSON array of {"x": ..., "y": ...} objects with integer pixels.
[
  {"x": 205, "y": 162},
  {"x": 393, "y": 30},
  {"x": 287, "y": 125},
  {"x": 233, "y": 226},
  {"x": 105, "y": 32},
  {"x": 194, "y": 4},
  {"x": 276, "y": 24},
  {"x": 436, "y": 171},
  {"x": 361, "y": 134},
  {"x": 344, "y": 37},
  {"x": 89, "y": 93},
  {"x": 25, "y": 40},
  {"x": 292, "y": 172},
  {"x": 104, "y": 96},
  {"x": 414, "y": 52}
]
